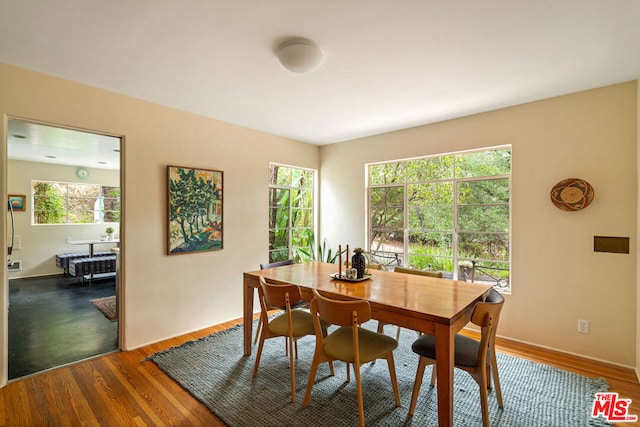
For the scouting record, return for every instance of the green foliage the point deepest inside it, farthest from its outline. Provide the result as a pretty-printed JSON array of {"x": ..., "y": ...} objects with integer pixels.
[
  {"x": 429, "y": 187},
  {"x": 67, "y": 203},
  {"x": 48, "y": 204},
  {"x": 323, "y": 253},
  {"x": 290, "y": 212}
]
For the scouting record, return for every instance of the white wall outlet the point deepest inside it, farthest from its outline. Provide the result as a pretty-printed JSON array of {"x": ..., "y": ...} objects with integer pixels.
[
  {"x": 17, "y": 242},
  {"x": 583, "y": 326}
]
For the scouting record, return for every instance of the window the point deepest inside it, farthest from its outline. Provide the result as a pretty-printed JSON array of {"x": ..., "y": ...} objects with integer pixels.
[
  {"x": 69, "y": 203},
  {"x": 444, "y": 211},
  {"x": 291, "y": 214}
]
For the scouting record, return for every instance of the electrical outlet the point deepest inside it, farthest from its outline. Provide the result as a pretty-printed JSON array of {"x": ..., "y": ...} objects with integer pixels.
[
  {"x": 583, "y": 326},
  {"x": 17, "y": 242}
]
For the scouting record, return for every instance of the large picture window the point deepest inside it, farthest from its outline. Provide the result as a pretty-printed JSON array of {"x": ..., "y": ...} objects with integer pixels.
[
  {"x": 72, "y": 203},
  {"x": 444, "y": 212},
  {"x": 291, "y": 211}
]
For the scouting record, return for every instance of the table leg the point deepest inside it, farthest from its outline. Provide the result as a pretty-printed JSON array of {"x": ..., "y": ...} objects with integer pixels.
[
  {"x": 444, "y": 365},
  {"x": 247, "y": 316}
]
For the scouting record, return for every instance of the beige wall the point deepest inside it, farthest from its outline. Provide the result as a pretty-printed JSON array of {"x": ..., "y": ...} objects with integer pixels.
[
  {"x": 556, "y": 277},
  {"x": 163, "y": 295},
  {"x": 40, "y": 243}
]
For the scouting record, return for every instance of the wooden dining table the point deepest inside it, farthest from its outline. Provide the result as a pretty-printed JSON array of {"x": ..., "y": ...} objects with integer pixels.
[{"x": 438, "y": 307}]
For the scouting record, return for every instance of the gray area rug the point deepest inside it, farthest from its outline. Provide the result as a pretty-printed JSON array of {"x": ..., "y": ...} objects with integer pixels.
[{"x": 214, "y": 371}]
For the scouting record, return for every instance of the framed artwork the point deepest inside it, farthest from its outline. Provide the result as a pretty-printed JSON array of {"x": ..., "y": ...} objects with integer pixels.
[
  {"x": 195, "y": 210},
  {"x": 17, "y": 202}
]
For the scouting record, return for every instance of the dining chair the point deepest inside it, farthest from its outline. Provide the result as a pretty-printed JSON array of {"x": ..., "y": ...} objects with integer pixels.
[
  {"x": 276, "y": 264},
  {"x": 292, "y": 324},
  {"x": 478, "y": 358},
  {"x": 368, "y": 267},
  {"x": 349, "y": 342},
  {"x": 264, "y": 267},
  {"x": 409, "y": 270}
]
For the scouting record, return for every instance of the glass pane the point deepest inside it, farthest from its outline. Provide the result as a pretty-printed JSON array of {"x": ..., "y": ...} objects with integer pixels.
[
  {"x": 306, "y": 180},
  {"x": 429, "y": 262},
  {"x": 81, "y": 216},
  {"x": 483, "y": 218},
  {"x": 279, "y": 175},
  {"x": 431, "y": 243},
  {"x": 111, "y": 216},
  {"x": 438, "y": 218},
  {"x": 278, "y": 218},
  {"x": 434, "y": 168},
  {"x": 279, "y": 197},
  {"x": 278, "y": 239},
  {"x": 387, "y": 173},
  {"x": 436, "y": 193},
  {"x": 387, "y": 196},
  {"x": 493, "y": 247},
  {"x": 302, "y": 218},
  {"x": 484, "y": 192},
  {"x": 83, "y": 190},
  {"x": 385, "y": 218},
  {"x": 295, "y": 177},
  {"x": 387, "y": 241},
  {"x": 279, "y": 255},
  {"x": 302, "y": 237},
  {"x": 302, "y": 198},
  {"x": 483, "y": 163},
  {"x": 49, "y": 217}
]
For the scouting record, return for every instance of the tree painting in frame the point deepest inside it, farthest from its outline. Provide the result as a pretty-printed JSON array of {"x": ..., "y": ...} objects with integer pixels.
[{"x": 195, "y": 210}]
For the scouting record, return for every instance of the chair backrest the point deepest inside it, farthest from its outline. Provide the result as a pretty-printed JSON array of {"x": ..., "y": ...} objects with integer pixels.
[
  {"x": 340, "y": 313},
  {"x": 437, "y": 274},
  {"x": 487, "y": 315},
  {"x": 491, "y": 307},
  {"x": 276, "y": 264},
  {"x": 279, "y": 296},
  {"x": 369, "y": 266}
]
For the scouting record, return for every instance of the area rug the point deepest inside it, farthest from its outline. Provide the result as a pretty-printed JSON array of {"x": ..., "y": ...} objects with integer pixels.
[
  {"x": 107, "y": 306},
  {"x": 214, "y": 371}
]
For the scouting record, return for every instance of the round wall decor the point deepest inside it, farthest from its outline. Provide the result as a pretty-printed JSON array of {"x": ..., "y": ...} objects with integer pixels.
[{"x": 572, "y": 194}]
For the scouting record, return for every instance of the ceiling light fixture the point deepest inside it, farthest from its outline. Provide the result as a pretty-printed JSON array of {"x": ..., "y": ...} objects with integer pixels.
[{"x": 299, "y": 55}]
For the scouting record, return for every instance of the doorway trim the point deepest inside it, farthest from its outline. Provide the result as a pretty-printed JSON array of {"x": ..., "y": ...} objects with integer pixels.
[{"x": 4, "y": 274}]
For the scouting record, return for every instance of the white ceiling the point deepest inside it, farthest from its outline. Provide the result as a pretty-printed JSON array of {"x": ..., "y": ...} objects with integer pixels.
[
  {"x": 40, "y": 143},
  {"x": 388, "y": 64}
]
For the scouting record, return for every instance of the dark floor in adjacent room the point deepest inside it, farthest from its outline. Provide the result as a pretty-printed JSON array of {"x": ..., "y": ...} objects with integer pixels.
[{"x": 52, "y": 323}]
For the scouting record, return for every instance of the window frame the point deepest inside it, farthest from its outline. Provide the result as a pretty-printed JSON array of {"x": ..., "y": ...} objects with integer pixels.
[
  {"x": 456, "y": 232},
  {"x": 66, "y": 209},
  {"x": 291, "y": 248}
]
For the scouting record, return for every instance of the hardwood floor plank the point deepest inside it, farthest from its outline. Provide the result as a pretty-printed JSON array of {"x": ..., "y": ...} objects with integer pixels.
[{"x": 121, "y": 389}]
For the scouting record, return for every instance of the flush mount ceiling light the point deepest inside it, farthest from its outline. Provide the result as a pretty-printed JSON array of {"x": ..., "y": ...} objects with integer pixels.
[{"x": 299, "y": 55}]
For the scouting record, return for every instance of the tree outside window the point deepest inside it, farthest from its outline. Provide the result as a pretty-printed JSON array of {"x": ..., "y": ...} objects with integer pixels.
[
  {"x": 444, "y": 211},
  {"x": 72, "y": 203},
  {"x": 291, "y": 212}
]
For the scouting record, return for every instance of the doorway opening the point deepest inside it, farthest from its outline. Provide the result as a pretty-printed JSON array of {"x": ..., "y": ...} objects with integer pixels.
[{"x": 64, "y": 234}]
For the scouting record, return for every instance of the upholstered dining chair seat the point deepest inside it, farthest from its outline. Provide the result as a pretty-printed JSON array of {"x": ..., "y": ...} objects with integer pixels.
[
  {"x": 466, "y": 353},
  {"x": 301, "y": 324},
  {"x": 339, "y": 345}
]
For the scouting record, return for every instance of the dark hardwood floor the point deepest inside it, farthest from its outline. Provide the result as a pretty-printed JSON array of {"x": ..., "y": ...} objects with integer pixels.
[
  {"x": 119, "y": 389},
  {"x": 52, "y": 323}
]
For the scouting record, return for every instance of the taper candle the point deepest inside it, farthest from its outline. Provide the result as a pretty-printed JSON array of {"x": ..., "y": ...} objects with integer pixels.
[
  {"x": 340, "y": 260},
  {"x": 347, "y": 255}
]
